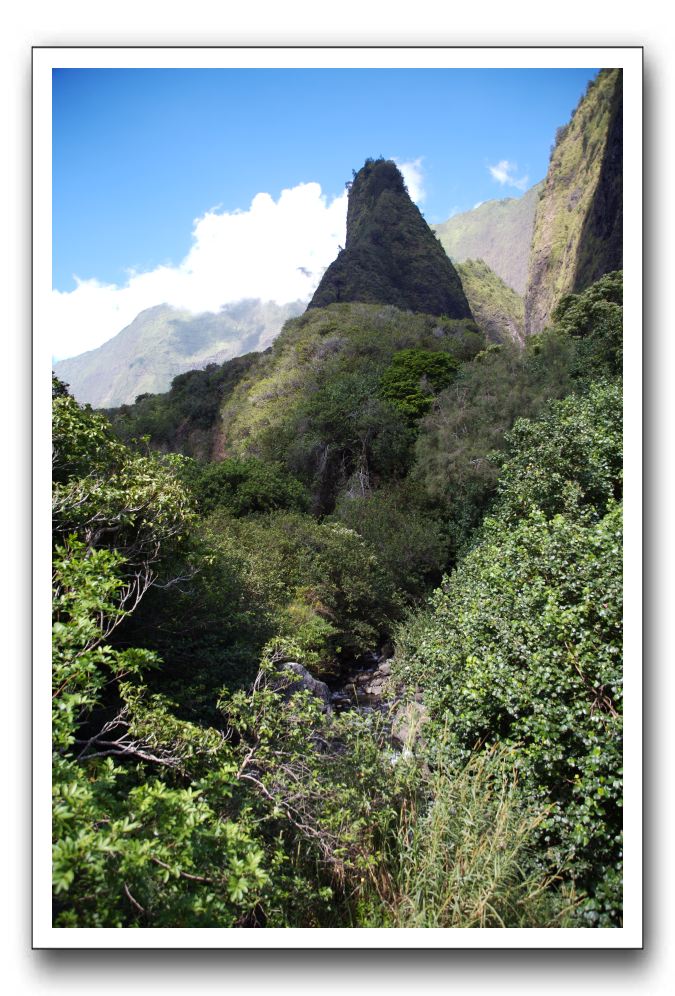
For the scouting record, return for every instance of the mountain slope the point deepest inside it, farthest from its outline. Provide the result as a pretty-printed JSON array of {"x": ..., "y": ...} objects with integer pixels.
[
  {"x": 163, "y": 342},
  {"x": 499, "y": 232},
  {"x": 577, "y": 232},
  {"x": 391, "y": 255},
  {"x": 317, "y": 401},
  {"x": 498, "y": 310}
]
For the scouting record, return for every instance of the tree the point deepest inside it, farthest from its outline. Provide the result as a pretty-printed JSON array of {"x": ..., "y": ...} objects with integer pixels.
[{"x": 414, "y": 377}]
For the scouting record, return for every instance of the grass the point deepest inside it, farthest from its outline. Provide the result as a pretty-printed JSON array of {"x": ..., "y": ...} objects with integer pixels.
[{"x": 463, "y": 856}]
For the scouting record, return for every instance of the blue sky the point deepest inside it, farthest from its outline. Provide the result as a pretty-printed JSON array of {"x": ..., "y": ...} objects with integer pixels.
[{"x": 140, "y": 156}]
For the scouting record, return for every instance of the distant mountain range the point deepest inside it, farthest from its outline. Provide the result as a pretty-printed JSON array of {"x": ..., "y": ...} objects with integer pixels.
[
  {"x": 498, "y": 232},
  {"x": 162, "y": 342},
  {"x": 559, "y": 237}
]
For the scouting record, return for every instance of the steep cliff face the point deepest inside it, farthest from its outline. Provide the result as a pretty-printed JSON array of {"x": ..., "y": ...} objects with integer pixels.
[
  {"x": 578, "y": 223},
  {"x": 391, "y": 255},
  {"x": 499, "y": 232},
  {"x": 601, "y": 243}
]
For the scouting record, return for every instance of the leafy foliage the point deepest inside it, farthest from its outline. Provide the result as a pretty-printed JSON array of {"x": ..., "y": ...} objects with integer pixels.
[
  {"x": 569, "y": 458},
  {"x": 314, "y": 404},
  {"x": 457, "y": 451},
  {"x": 595, "y": 319},
  {"x": 413, "y": 378},
  {"x": 523, "y": 643},
  {"x": 408, "y": 538},
  {"x": 183, "y": 419},
  {"x": 323, "y": 582},
  {"x": 110, "y": 497},
  {"x": 194, "y": 786},
  {"x": 454, "y": 457},
  {"x": 244, "y": 486}
]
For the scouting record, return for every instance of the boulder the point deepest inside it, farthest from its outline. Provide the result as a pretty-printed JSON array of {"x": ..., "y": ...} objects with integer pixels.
[
  {"x": 294, "y": 677},
  {"x": 408, "y": 721}
]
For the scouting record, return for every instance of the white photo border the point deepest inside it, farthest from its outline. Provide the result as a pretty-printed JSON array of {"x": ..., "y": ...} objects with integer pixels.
[{"x": 630, "y": 59}]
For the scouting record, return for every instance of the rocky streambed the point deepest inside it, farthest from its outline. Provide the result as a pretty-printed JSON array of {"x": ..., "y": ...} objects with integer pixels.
[
  {"x": 362, "y": 686},
  {"x": 367, "y": 686}
]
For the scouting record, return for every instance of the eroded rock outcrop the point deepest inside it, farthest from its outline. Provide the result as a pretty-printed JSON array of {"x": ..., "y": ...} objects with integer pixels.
[{"x": 391, "y": 255}]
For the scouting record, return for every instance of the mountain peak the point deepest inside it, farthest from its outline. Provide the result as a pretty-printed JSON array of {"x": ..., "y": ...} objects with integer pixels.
[{"x": 391, "y": 255}]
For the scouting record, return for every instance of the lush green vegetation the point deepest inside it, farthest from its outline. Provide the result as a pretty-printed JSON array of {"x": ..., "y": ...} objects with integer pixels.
[
  {"x": 414, "y": 377},
  {"x": 522, "y": 645},
  {"x": 184, "y": 419},
  {"x": 499, "y": 311},
  {"x": 321, "y": 403},
  {"x": 384, "y": 477}
]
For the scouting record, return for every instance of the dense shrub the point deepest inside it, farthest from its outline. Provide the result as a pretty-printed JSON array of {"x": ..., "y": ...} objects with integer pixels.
[
  {"x": 243, "y": 486},
  {"x": 251, "y": 579},
  {"x": 315, "y": 402},
  {"x": 457, "y": 450},
  {"x": 522, "y": 644},
  {"x": 454, "y": 451},
  {"x": 595, "y": 319},
  {"x": 142, "y": 834},
  {"x": 183, "y": 418},
  {"x": 413, "y": 377},
  {"x": 571, "y": 456},
  {"x": 408, "y": 538},
  {"x": 345, "y": 435}
]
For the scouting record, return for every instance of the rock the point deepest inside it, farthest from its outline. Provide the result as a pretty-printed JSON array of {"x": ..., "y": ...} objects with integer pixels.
[
  {"x": 384, "y": 667},
  {"x": 341, "y": 701},
  {"x": 407, "y": 722},
  {"x": 391, "y": 256},
  {"x": 294, "y": 677}
]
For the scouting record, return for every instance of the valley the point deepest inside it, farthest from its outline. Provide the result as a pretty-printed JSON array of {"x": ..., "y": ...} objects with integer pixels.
[{"x": 338, "y": 616}]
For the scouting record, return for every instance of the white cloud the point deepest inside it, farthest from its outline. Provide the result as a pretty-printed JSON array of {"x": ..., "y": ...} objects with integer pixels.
[
  {"x": 413, "y": 176},
  {"x": 505, "y": 174},
  {"x": 276, "y": 251}
]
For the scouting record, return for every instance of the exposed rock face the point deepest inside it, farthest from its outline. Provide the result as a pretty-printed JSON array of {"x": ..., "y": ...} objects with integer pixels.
[
  {"x": 408, "y": 721},
  {"x": 295, "y": 677},
  {"x": 601, "y": 244},
  {"x": 578, "y": 223},
  {"x": 391, "y": 255}
]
